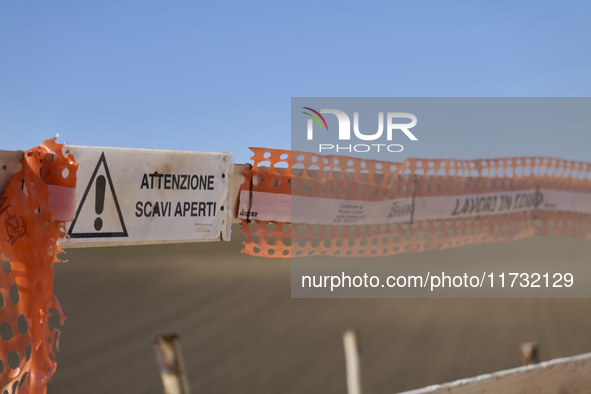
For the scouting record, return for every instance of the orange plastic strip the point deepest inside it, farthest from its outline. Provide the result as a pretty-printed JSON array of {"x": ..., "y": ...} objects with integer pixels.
[
  {"x": 28, "y": 235},
  {"x": 337, "y": 177}
]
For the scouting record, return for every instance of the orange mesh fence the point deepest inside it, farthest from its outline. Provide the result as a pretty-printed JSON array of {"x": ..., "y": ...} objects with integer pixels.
[
  {"x": 278, "y": 176},
  {"x": 33, "y": 210}
]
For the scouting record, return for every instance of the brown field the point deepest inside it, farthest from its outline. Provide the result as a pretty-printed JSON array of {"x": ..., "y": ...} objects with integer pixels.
[{"x": 242, "y": 333}]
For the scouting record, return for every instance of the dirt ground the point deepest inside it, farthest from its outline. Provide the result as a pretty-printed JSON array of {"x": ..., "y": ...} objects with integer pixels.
[{"x": 242, "y": 333}]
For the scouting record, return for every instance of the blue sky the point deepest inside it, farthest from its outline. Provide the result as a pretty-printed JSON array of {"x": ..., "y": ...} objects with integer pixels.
[{"x": 219, "y": 76}]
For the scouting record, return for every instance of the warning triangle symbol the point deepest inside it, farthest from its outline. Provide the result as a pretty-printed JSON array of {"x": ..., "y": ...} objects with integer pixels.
[{"x": 99, "y": 215}]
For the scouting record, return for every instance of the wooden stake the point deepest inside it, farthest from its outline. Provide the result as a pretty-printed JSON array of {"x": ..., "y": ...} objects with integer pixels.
[
  {"x": 171, "y": 364},
  {"x": 351, "y": 341},
  {"x": 530, "y": 352}
]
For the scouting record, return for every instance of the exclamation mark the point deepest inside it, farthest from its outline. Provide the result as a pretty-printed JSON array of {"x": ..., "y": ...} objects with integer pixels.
[{"x": 99, "y": 202}]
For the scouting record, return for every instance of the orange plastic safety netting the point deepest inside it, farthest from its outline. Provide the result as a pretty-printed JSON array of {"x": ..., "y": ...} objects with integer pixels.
[
  {"x": 33, "y": 211},
  {"x": 495, "y": 200}
]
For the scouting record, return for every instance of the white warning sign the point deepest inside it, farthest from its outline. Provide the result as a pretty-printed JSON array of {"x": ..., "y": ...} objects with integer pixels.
[{"x": 141, "y": 196}]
